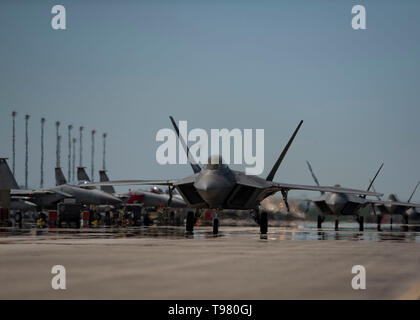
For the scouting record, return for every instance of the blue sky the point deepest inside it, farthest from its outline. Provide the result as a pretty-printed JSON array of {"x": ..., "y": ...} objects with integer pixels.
[{"x": 124, "y": 66}]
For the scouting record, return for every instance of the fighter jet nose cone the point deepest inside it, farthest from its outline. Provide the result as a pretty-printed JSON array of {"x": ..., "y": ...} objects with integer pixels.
[
  {"x": 336, "y": 202},
  {"x": 214, "y": 188},
  {"x": 105, "y": 198}
]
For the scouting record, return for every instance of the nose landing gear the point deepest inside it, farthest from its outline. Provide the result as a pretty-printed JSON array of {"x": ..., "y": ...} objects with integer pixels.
[
  {"x": 360, "y": 219},
  {"x": 320, "y": 221},
  {"x": 189, "y": 225},
  {"x": 216, "y": 223}
]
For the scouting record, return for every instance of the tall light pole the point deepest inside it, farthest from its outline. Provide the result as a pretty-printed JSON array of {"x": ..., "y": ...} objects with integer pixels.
[
  {"x": 57, "y": 152},
  {"x": 92, "y": 155},
  {"x": 104, "y": 150},
  {"x": 69, "y": 127},
  {"x": 80, "y": 146},
  {"x": 26, "y": 150},
  {"x": 74, "y": 160},
  {"x": 14, "y": 113},
  {"x": 42, "y": 152}
]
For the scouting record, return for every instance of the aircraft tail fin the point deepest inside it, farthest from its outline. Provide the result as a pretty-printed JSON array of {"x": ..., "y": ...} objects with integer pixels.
[
  {"x": 103, "y": 177},
  {"x": 414, "y": 191},
  {"x": 283, "y": 154},
  {"x": 374, "y": 190},
  {"x": 313, "y": 175},
  {"x": 82, "y": 175},
  {"x": 373, "y": 180},
  {"x": 7, "y": 180},
  {"x": 59, "y": 177},
  {"x": 196, "y": 168}
]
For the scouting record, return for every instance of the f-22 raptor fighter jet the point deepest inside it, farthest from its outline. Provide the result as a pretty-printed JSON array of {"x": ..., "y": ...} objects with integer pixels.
[
  {"x": 218, "y": 187},
  {"x": 341, "y": 204},
  {"x": 338, "y": 204},
  {"x": 393, "y": 206}
]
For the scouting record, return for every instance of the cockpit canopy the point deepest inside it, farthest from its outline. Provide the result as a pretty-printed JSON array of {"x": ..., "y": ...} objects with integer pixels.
[
  {"x": 156, "y": 190},
  {"x": 215, "y": 163},
  {"x": 392, "y": 197}
]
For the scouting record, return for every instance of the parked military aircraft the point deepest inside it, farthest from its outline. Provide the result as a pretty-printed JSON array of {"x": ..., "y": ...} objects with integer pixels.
[
  {"x": 393, "y": 206},
  {"x": 82, "y": 194},
  {"x": 338, "y": 204},
  {"x": 28, "y": 200},
  {"x": 150, "y": 199},
  {"x": 218, "y": 187},
  {"x": 342, "y": 204}
]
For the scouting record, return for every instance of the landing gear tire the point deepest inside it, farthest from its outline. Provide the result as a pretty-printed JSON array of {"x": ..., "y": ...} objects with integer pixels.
[
  {"x": 18, "y": 219},
  {"x": 189, "y": 225},
  {"x": 361, "y": 223},
  {"x": 263, "y": 222},
  {"x": 320, "y": 220},
  {"x": 215, "y": 225},
  {"x": 405, "y": 219},
  {"x": 336, "y": 225},
  {"x": 378, "y": 222}
]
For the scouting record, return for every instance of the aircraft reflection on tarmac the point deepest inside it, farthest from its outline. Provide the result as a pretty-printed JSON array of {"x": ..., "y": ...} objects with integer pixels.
[{"x": 299, "y": 231}]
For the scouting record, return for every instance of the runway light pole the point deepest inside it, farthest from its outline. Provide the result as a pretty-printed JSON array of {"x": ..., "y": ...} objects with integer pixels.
[
  {"x": 57, "y": 150},
  {"x": 104, "y": 151},
  {"x": 69, "y": 127},
  {"x": 74, "y": 160},
  {"x": 92, "y": 156},
  {"x": 26, "y": 150},
  {"x": 42, "y": 153},
  {"x": 80, "y": 146},
  {"x": 14, "y": 113}
]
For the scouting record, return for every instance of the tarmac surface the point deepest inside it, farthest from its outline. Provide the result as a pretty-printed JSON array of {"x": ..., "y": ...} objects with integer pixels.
[{"x": 296, "y": 262}]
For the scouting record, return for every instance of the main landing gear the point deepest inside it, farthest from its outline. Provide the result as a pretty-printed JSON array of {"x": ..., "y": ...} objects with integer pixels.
[
  {"x": 336, "y": 225},
  {"x": 378, "y": 222},
  {"x": 360, "y": 219},
  {"x": 320, "y": 221},
  {"x": 261, "y": 218},
  {"x": 263, "y": 223}
]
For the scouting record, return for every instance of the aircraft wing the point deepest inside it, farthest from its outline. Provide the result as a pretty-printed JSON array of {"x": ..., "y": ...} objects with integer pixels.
[
  {"x": 394, "y": 203},
  {"x": 287, "y": 187},
  {"x": 131, "y": 183},
  {"x": 322, "y": 198},
  {"x": 269, "y": 188},
  {"x": 20, "y": 192}
]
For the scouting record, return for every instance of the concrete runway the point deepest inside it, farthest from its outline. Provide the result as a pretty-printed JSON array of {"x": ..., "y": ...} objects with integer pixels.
[{"x": 161, "y": 263}]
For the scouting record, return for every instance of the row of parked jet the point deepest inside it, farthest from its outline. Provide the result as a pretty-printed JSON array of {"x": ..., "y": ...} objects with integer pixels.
[
  {"x": 340, "y": 204},
  {"x": 215, "y": 187},
  {"x": 48, "y": 198}
]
